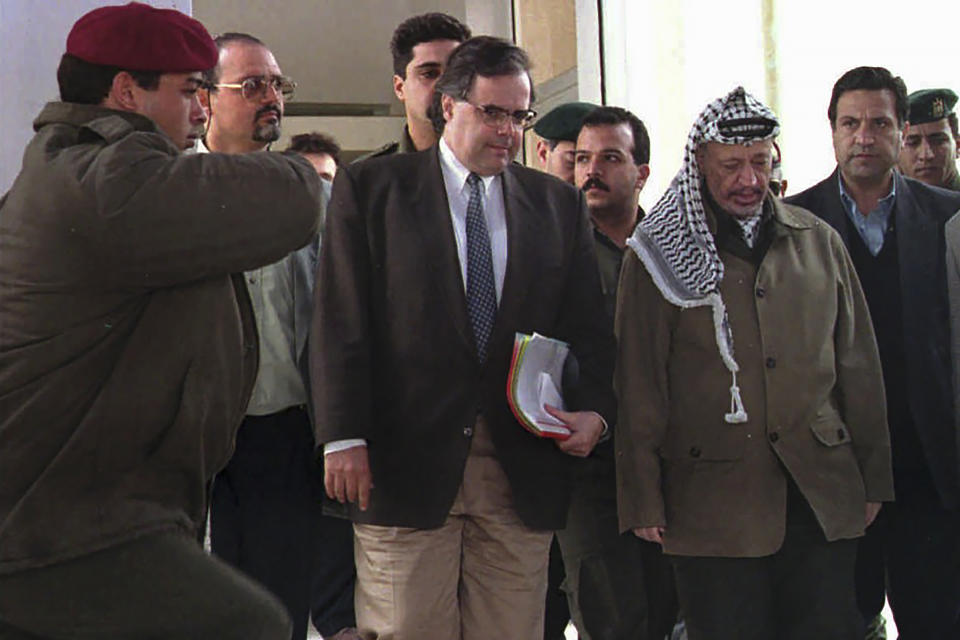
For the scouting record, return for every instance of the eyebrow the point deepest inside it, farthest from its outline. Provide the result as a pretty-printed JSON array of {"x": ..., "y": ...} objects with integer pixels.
[{"x": 428, "y": 65}]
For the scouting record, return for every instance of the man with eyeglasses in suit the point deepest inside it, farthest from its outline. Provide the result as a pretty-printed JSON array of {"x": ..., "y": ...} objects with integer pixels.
[
  {"x": 432, "y": 262},
  {"x": 266, "y": 511}
]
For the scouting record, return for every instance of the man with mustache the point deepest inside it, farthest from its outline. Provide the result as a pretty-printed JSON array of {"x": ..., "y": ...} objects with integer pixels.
[
  {"x": 749, "y": 441},
  {"x": 127, "y": 341},
  {"x": 893, "y": 227},
  {"x": 618, "y": 585},
  {"x": 266, "y": 512},
  {"x": 929, "y": 152}
]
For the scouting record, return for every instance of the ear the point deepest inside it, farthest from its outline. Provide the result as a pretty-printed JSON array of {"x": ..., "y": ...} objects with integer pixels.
[
  {"x": 398, "y": 87},
  {"x": 542, "y": 150},
  {"x": 122, "y": 94},
  {"x": 643, "y": 172},
  {"x": 446, "y": 105}
]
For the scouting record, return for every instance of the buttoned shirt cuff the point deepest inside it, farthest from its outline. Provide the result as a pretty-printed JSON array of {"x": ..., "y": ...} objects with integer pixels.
[{"x": 342, "y": 445}]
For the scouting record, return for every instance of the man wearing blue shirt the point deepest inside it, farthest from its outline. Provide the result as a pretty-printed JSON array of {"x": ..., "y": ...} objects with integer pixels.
[{"x": 893, "y": 228}]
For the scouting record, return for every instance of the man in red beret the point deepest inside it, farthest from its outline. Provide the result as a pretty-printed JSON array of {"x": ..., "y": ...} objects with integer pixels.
[{"x": 127, "y": 350}]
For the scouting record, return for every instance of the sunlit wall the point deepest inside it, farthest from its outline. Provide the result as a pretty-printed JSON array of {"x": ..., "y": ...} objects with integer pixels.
[{"x": 666, "y": 60}]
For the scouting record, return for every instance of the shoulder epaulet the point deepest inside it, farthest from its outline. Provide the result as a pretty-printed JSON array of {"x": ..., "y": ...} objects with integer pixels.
[
  {"x": 385, "y": 150},
  {"x": 110, "y": 128}
]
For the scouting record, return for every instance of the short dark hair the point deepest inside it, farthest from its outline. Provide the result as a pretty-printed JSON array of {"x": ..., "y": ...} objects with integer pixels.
[
  {"x": 479, "y": 56},
  {"x": 82, "y": 82},
  {"x": 317, "y": 143},
  {"x": 871, "y": 79},
  {"x": 423, "y": 28},
  {"x": 212, "y": 76},
  {"x": 952, "y": 119},
  {"x": 614, "y": 116}
]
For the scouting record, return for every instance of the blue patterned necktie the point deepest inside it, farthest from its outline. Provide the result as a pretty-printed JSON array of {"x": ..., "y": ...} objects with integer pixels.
[{"x": 481, "y": 290}]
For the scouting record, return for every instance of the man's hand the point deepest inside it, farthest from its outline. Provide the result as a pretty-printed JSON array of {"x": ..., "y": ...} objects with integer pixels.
[
  {"x": 650, "y": 534},
  {"x": 585, "y": 428},
  {"x": 347, "y": 476},
  {"x": 873, "y": 508}
]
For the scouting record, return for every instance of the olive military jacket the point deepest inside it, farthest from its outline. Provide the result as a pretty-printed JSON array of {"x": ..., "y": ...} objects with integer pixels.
[
  {"x": 810, "y": 381},
  {"x": 127, "y": 351}
]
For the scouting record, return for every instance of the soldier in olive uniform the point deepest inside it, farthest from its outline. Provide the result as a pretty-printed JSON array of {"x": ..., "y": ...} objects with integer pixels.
[
  {"x": 929, "y": 152},
  {"x": 420, "y": 46},
  {"x": 557, "y": 131}
]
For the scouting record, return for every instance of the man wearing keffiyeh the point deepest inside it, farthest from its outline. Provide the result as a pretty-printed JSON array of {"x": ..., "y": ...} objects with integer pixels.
[{"x": 750, "y": 443}]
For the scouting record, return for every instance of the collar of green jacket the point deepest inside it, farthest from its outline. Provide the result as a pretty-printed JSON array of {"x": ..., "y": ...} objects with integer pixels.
[{"x": 85, "y": 114}]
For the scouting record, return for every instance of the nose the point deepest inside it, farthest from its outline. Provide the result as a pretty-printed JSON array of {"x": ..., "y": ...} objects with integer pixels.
[
  {"x": 863, "y": 136},
  {"x": 271, "y": 93},
  {"x": 747, "y": 176},
  {"x": 593, "y": 166},
  {"x": 505, "y": 126},
  {"x": 926, "y": 151},
  {"x": 198, "y": 115}
]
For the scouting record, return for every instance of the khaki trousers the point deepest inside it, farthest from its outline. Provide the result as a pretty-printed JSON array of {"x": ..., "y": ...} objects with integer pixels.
[{"x": 481, "y": 575}]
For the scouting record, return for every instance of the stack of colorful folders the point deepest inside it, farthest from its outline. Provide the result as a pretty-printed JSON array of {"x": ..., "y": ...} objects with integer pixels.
[{"x": 536, "y": 375}]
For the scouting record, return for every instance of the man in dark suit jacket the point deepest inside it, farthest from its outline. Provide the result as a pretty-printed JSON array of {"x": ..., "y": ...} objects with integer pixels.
[
  {"x": 454, "y": 502},
  {"x": 893, "y": 228}
]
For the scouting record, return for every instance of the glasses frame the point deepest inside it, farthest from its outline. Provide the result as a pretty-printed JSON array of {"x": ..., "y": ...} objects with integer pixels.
[
  {"x": 282, "y": 85},
  {"x": 495, "y": 117}
]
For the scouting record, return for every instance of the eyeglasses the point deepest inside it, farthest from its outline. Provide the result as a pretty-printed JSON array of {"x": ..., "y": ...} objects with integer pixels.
[
  {"x": 255, "y": 87},
  {"x": 496, "y": 117}
]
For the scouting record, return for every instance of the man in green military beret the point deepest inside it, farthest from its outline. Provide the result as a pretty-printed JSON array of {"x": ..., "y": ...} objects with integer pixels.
[
  {"x": 558, "y": 132},
  {"x": 929, "y": 152}
]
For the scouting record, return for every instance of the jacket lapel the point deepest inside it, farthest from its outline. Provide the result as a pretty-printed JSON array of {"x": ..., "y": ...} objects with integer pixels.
[
  {"x": 431, "y": 210},
  {"x": 522, "y": 263},
  {"x": 916, "y": 233},
  {"x": 832, "y": 209}
]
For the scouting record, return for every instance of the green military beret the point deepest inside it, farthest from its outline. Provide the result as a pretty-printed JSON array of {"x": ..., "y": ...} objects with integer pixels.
[
  {"x": 928, "y": 105},
  {"x": 563, "y": 122}
]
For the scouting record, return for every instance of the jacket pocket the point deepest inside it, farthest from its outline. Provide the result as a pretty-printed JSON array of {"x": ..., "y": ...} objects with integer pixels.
[
  {"x": 829, "y": 429},
  {"x": 725, "y": 444}
]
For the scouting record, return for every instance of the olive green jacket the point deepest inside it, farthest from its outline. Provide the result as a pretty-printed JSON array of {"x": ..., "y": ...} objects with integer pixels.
[
  {"x": 810, "y": 381},
  {"x": 127, "y": 351}
]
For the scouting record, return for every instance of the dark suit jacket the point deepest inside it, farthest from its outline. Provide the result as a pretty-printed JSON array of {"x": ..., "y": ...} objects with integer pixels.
[
  {"x": 392, "y": 353},
  {"x": 921, "y": 212}
]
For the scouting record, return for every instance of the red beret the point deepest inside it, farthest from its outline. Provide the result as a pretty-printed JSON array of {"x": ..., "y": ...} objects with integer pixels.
[{"x": 139, "y": 37}]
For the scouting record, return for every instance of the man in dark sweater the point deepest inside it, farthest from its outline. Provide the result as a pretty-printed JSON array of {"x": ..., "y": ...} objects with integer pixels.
[{"x": 893, "y": 229}]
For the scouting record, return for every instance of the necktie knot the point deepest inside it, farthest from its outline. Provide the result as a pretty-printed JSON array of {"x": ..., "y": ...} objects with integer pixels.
[{"x": 474, "y": 181}]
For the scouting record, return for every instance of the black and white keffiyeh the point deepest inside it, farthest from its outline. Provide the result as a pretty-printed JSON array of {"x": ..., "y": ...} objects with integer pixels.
[{"x": 673, "y": 240}]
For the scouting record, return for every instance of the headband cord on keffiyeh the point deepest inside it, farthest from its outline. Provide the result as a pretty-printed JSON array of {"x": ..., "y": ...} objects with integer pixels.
[{"x": 673, "y": 240}]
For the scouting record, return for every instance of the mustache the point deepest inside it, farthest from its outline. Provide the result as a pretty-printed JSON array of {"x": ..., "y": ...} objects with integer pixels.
[
  {"x": 595, "y": 183},
  {"x": 270, "y": 108},
  {"x": 749, "y": 191}
]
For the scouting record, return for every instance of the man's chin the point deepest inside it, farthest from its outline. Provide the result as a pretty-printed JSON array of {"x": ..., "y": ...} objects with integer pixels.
[{"x": 267, "y": 133}]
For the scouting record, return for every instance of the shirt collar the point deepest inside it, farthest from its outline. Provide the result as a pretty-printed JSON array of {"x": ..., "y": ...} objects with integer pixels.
[
  {"x": 456, "y": 171},
  {"x": 883, "y": 205}
]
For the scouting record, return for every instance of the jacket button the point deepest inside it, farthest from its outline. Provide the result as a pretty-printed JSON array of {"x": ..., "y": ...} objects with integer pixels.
[
  {"x": 841, "y": 434},
  {"x": 761, "y": 292},
  {"x": 694, "y": 452},
  {"x": 468, "y": 431},
  {"x": 771, "y": 363},
  {"x": 774, "y": 436}
]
